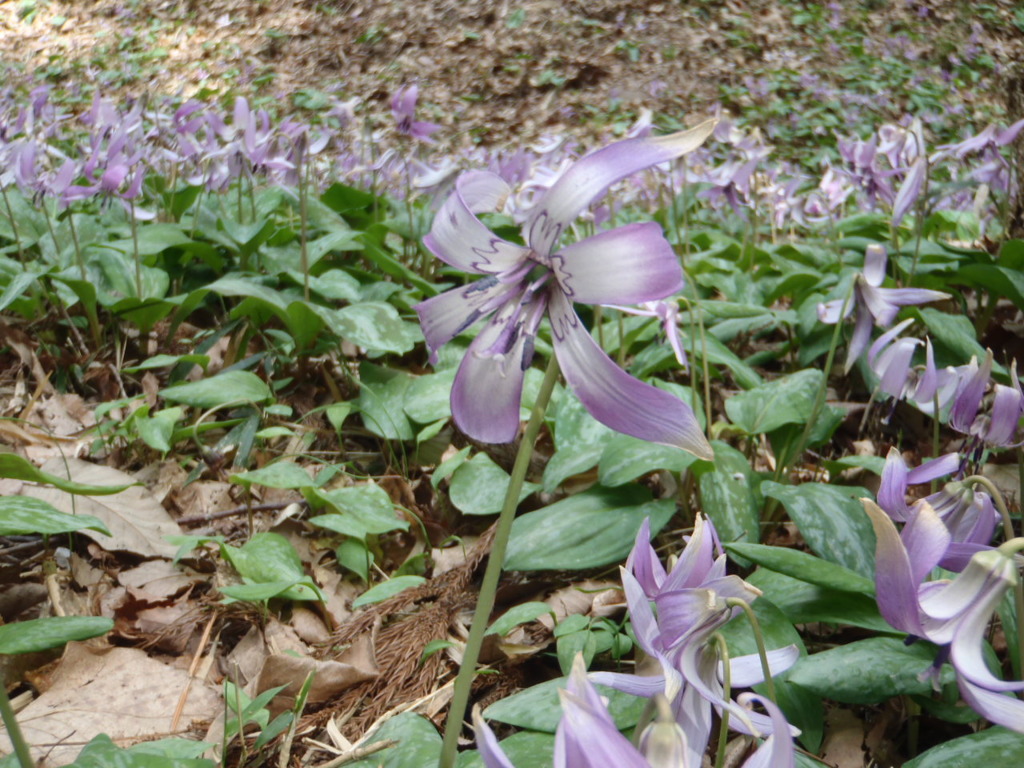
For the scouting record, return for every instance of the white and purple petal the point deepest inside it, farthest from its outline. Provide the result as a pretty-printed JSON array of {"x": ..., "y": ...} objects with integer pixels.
[
  {"x": 460, "y": 239},
  {"x": 628, "y": 265},
  {"x": 589, "y": 178},
  {"x": 615, "y": 398}
]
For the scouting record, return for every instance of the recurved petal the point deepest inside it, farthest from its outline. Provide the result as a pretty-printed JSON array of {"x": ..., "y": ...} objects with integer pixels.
[
  {"x": 859, "y": 340},
  {"x": 445, "y": 316},
  {"x": 492, "y": 753},
  {"x": 615, "y": 398},
  {"x": 998, "y": 708},
  {"x": 875, "y": 260},
  {"x": 695, "y": 563},
  {"x": 892, "y": 491},
  {"x": 829, "y": 311},
  {"x": 627, "y": 265},
  {"x": 589, "y": 178},
  {"x": 745, "y": 671},
  {"x": 488, "y": 387},
  {"x": 777, "y": 750},
  {"x": 897, "y": 589},
  {"x": 460, "y": 239}
]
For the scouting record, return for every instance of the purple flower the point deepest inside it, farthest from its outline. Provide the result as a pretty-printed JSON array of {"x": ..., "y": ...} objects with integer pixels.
[
  {"x": 873, "y": 304},
  {"x": 403, "y": 108},
  {"x": 953, "y": 614},
  {"x": 968, "y": 514},
  {"x": 523, "y": 284},
  {"x": 588, "y": 738},
  {"x": 691, "y": 602},
  {"x": 997, "y": 426}
]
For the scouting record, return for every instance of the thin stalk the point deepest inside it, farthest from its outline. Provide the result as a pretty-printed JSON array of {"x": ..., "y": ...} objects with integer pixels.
[
  {"x": 14, "y": 730},
  {"x": 135, "y": 246},
  {"x": 78, "y": 247},
  {"x": 819, "y": 398},
  {"x": 495, "y": 560},
  {"x": 723, "y": 729},
  {"x": 304, "y": 232},
  {"x": 1008, "y": 534},
  {"x": 762, "y": 652},
  {"x": 14, "y": 224}
]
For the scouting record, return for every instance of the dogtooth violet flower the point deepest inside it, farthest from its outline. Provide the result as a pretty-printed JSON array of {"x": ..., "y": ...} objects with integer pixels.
[
  {"x": 873, "y": 304},
  {"x": 953, "y": 614},
  {"x": 690, "y": 605},
  {"x": 968, "y": 514},
  {"x": 520, "y": 285},
  {"x": 587, "y": 737}
]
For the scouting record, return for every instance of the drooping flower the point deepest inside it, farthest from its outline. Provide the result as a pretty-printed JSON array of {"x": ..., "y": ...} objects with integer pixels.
[
  {"x": 403, "y": 108},
  {"x": 523, "y": 284},
  {"x": 952, "y": 614},
  {"x": 967, "y": 513},
  {"x": 587, "y": 737},
  {"x": 998, "y": 424},
  {"x": 692, "y": 604},
  {"x": 872, "y": 304}
]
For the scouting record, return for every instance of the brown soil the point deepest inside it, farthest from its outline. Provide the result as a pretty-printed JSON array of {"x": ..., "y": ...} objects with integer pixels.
[{"x": 490, "y": 70}]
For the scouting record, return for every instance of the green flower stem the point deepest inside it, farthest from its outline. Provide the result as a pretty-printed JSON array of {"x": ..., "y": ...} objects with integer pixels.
[
  {"x": 485, "y": 601},
  {"x": 762, "y": 652},
  {"x": 1008, "y": 534},
  {"x": 795, "y": 451},
  {"x": 723, "y": 729},
  {"x": 14, "y": 731}
]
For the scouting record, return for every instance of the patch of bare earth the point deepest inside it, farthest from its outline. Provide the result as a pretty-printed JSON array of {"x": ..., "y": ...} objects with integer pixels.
[{"x": 493, "y": 71}]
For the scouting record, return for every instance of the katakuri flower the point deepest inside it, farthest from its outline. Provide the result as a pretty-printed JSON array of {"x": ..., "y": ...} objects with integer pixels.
[
  {"x": 692, "y": 602},
  {"x": 873, "y": 304},
  {"x": 951, "y": 614},
  {"x": 523, "y": 284},
  {"x": 588, "y": 738}
]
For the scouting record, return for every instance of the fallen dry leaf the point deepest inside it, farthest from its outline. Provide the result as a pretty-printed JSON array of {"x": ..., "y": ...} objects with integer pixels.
[
  {"x": 137, "y": 520},
  {"x": 118, "y": 691}
]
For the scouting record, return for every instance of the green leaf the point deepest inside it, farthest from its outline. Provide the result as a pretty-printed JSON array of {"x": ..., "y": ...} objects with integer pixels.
[
  {"x": 995, "y": 747},
  {"x": 101, "y": 752},
  {"x": 955, "y": 335},
  {"x": 580, "y": 440},
  {"x": 832, "y": 521},
  {"x": 387, "y": 589},
  {"x": 21, "y": 515},
  {"x": 728, "y": 494},
  {"x": 268, "y": 558},
  {"x": 526, "y": 749},
  {"x": 803, "y": 566},
  {"x": 788, "y": 400},
  {"x": 280, "y": 474},
  {"x": 43, "y": 634},
  {"x": 478, "y": 487},
  {"x": 538, "y": 707},
  {"x": 587, "y": 530},
  {"x": 867, "y": 671},
  {"x": 625, "y": 458},
  {"x": 228, "y": 388},
  {"x": 259, "y": 592},
  {"x": 805, "y": 603},
  {"x": 428, "y": 397},
  {"x": 17, "y": 468},
  {"x": 375, "y": 326},
  {"x": 382, "y": 401},
  {"x": 419, "y": 744},
  {"x": 520, "y": 614},
  {"x": 358, "y": 510}
]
